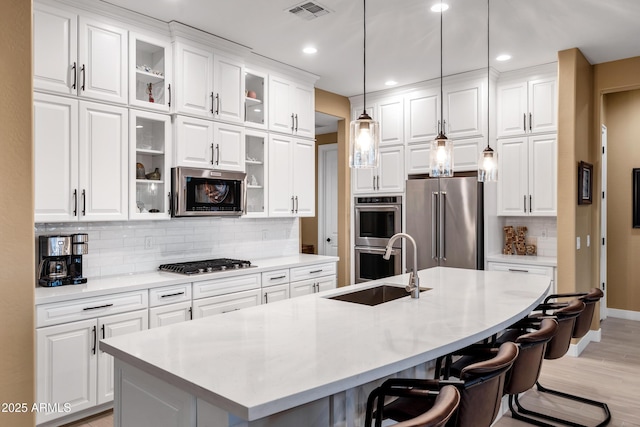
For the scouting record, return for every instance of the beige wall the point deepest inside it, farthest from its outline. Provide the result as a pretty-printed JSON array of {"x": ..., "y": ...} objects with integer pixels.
[
  {"x": 16, "y": 216},
  {"x": 339, "y": 106},
  {"x": 623, "y": 154},
  {"x": 309, "y": 226}
]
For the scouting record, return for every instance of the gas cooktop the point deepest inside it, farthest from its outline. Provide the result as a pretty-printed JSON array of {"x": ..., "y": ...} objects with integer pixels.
[{"x": 206, "y": 266}]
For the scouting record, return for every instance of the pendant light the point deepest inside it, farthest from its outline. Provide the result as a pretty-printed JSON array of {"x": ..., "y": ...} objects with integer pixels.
[
  {"x": 364, "y": 140},
  {"x": 488, "y": 161},
  {"x": 441, "y": 148}
]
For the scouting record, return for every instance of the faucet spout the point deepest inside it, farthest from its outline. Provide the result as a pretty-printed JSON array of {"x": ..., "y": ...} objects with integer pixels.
[{"x": 414, "y": 280}]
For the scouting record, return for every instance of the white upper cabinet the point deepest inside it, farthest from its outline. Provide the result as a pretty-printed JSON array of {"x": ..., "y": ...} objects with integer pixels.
[
  {"x": 463, "y": 109},
  {"x": 528, "y": 176},
  {"x": 388, "y": 177},
  {"x": 527, "y": 107},
  {"x": 80, "y": 160},
  {"x": 194, "y": 142},
  {"x": 77, "y": 55},
  {"x": 391, "y": 117},
  {"x": 194, "y": 80},
  {"x": 150, "y": 72},
  {"x": 228, "y": 87},
  {"x": 229, "y": 147},
  {"x": 422, "y": 114},
  {"x": 291, "y": 107},
  {"x": 255, "y": 108}
]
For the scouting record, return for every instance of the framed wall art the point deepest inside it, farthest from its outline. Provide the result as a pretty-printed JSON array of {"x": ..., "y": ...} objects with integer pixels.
[{"x": 585, "y": 183}]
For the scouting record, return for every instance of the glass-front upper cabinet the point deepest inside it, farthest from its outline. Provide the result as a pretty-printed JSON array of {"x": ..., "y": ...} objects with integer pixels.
[
  {"x": 150, "y": 165},
  {"x": 255, "y": 164},
  {"x": 150, "y": 72},
  {"x": 255, "y": 99}
]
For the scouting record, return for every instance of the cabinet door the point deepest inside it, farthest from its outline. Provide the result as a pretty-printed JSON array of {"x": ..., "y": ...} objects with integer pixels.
[
  {"x": 228, "y": 86},
  {"x": 194, "y": 80},
  {"x": 303, "y": 287},
  {"x": 463, "y": 108},
  {"x": 543, "y": 172},
  {"x": 103, "y": 158},
  {"x": 281, "y": 202},
  {"x": 194, "y": 142},
  {"x": 391, "y": 177},
  {"x": 542, "y": 105},
  {"x": 391, "y": 117},
  {"x": 256, "y": 157},
  {"x": 304, "y": 110},
  {"x": 304, "y": 177},
  {"x": 113, "y": 326},
  {"x": 275, "y": 293},
  {"x": 422, "y": 114},
  {"x": 466, "y": 153},
  {"x": 55, "y": 127},
  {"x": 281, "y": 117},
  {"x": 512, "y": 109},
  {"x": 169, "y": 314},
  {"x": 55, "y": 50},
  {"x": 417, "y": 159},
  {"x": 364, "y": 180},
  {"x": 66, "y": 364},
  {"x": 326, "y": 283},
  {"x": 102, "y": 54},
  {"x": 150, "y": 72},
  {"x": 229, "y": 147},
  {"x": 513, "y": 183},
  {"x": 225, "y": 303}
]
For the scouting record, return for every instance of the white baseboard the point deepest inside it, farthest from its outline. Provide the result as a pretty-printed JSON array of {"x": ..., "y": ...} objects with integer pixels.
[
  {"x": 623, "y": 314},
  {"x": 576, "y": 349}
]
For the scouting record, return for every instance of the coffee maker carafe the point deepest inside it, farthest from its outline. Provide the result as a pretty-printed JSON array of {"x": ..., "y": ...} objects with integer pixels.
[{"x": 61, "y": 259}]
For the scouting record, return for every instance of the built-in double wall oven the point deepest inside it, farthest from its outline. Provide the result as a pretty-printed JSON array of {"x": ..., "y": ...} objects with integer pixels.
[{"x": 376, "y": 220}]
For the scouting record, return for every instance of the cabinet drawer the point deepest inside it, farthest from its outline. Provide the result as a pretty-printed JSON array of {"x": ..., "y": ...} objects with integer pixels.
[
  {"x": 311, "y": 271},
  {"x": 210, "y": 288},
  {"x": 275, "y": 277},
  {"x": 225, "y": 303},
  {"x": 521, "y": 268},
  {"x": 169, "y": 294},
  {"x": 88, "y": 308},
  {"x": 169, "y": 314}
]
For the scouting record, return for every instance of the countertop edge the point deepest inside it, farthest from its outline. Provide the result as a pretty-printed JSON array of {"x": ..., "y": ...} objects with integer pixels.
[{"x": 547, "y": 261}]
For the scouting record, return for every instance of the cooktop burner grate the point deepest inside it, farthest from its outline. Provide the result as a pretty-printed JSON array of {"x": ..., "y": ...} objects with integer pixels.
[{"x": 206, "y": 266}]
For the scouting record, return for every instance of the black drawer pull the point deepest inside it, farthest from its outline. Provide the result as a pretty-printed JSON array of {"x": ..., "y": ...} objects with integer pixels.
[
  {"x": 278, "y": 277},
  {"x": 518, "y": 270},
  {"x": 315, "y": 271},
  {"x": 97, "y": 307},
  {"x": 172, "y": 295}
]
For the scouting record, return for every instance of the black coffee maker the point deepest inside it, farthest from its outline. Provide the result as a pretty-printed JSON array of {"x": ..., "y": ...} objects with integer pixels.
[{"x": 61, "y": 259}]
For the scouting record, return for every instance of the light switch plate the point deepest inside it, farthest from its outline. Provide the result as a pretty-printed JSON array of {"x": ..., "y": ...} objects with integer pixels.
[
  {"x": 588, "y": 240},
  {"x": 578, "y": 242}
]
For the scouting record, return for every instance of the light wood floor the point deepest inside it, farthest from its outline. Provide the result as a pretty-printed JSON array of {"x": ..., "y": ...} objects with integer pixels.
[{"x": 607, "y": 371}]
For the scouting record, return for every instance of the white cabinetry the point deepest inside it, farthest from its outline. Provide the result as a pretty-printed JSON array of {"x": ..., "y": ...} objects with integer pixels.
[
  {"x": 422, "y": 114},
  {"x": 312, "y": 279},
  {"x": 255, "y": 106},
  {"x": 527, "y": 106},
  {"x": 150, "y": 72},
  {"x": 228, "y": 147},
  {"x": 84, "y": 181},
  {"x": 291, "y": 107},
  {"x": 228, "y": 85},
  {"x": 69, "y": 366},
  {"x": 291, "y": 174},
  {"x": 391, "y": 117},
  {"x": 223, "y": 295},
  {"x": 194, "y": 80},
  {"x": 463, "y": 108},
  {"x": 388, "y": 177},
  {"x": 526, "y": 269},
  {"x": 275, "y": 285},
  {"x": 256, "y": 155},
  {"x": 76, "y": 55},
  {"x": 528, "y": 183},
  {"x": 149, "y": 151},
  {"x": 169, "y": 305}
]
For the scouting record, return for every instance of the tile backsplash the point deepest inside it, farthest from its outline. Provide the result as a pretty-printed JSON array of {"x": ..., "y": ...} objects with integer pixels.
[
  {"x": 543, "y": 229},
  {"x": 141, "y": 246}
]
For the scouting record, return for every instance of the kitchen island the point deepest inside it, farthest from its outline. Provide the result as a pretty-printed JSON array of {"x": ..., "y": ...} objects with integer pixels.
[{"x": 310, "y": 360}]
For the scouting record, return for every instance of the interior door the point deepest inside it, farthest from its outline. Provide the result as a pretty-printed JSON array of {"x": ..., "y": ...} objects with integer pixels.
[
  {"x": 459, "y": 215},
  {"x": 422, "y": 204},
  {"x": 328, "y": 198}
]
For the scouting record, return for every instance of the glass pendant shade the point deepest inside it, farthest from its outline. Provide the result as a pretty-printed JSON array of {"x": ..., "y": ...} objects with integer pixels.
[
  {"x": 441, "y": 157},
  {"x": 488, "y": 166},
  {"x": 364, "y": 142}
]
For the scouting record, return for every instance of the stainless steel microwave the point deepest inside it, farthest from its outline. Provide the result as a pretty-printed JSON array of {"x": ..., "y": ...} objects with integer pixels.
[{"x": 207, "y": 192}]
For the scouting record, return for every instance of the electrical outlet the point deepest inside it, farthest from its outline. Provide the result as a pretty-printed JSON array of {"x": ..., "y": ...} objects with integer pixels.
[
  {"x": 264, "y": 235},
  {"x": 148, "y": 242}
]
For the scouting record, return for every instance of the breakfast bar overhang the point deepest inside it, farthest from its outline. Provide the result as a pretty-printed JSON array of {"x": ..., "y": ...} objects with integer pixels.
[{"x": 309, "y": 360}]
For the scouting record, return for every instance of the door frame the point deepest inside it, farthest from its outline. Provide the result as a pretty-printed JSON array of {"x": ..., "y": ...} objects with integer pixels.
[
  {"x": 603, "y": 224},
  {"x": 322, "y": 149}
]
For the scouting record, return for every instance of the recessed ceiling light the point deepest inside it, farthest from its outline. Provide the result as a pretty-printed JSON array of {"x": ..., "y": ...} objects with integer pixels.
[
  {"x": 309, "y": 50},
  {"x": 439, "y": 7},
  {"x": 503, "y": 57},
  {"x": 391, "y": 83}
]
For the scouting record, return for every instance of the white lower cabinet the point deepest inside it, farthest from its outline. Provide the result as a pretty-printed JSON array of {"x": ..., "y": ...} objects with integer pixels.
[
  {"x": 311, "y": 286},
  {"x": 225, "y": 303},
  {"x": 275, "y": 293},
  {"x": 169, "y": 305},
  {"x": 544, "y": 270},
  {"x": 71, "y": 369}
]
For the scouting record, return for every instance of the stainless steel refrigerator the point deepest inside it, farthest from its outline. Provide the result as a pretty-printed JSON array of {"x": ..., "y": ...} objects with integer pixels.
[{"x": 445, "y": 217}]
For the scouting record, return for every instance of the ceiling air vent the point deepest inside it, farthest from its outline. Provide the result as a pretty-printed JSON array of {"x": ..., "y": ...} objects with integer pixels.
[{"x": 309, "y": 10}]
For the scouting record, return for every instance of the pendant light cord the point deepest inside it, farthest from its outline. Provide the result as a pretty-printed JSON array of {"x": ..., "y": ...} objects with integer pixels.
[
  {"x": 364, "y": 56},
  {"x": 441, "y": 92},
  {"x": 488, "y": 78}
]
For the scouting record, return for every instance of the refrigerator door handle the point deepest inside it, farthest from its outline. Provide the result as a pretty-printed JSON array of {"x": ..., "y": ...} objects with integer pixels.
[
  {"x": 434, "y": 235},
  {"x": 443, "y": 198}
]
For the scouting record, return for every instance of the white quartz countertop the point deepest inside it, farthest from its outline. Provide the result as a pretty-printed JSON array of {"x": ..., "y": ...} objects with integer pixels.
[
  {"x": 262, "y": 360},
  {"x": 133, "y": 282},
  {"x": 548, "y": 261}
]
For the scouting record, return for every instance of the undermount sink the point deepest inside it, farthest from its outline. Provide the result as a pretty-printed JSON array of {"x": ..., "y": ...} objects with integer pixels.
[{"x": 374, "y": 296}]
